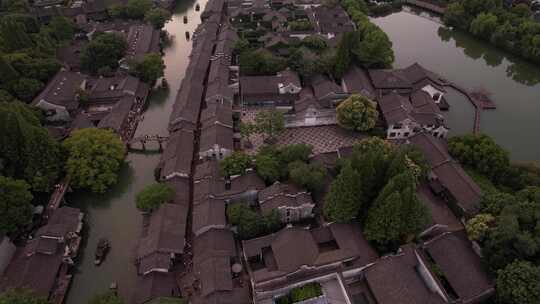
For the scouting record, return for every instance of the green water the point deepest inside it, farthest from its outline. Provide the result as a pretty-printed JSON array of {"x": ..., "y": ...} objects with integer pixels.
[
  {"x": 514, "y": 84},
  {"x": 114, "y": 215}
]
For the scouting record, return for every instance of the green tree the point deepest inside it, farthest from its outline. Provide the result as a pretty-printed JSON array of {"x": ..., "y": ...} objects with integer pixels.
[
  {"x": 105, "y": 50},
  {"x": 13, "y": 35},
  {"x": 157, "y": 17},
  {"x": 481, "y": 153},
  {"x": 343, "y": 58},
  {"x": 63, "y": 29},
  {"x": 235, "y": 164},
  {"x": 260, "y": 62},
  {"x": 15, "y": 203},
  {"x": 7, "y": 72},
  {"x": 268, "y": 164},
  {"x": 26, "y": 88},
  {"x": 95, "y": 156},
  {"x": 249, "y": 223},
  {"x": 150, "y": 68},
  {"x": 21, "y": 296},
  {"x": 375, "y": 50},
  {"x": 495, "y": 202},
  {"x": 456, "y": 15},
  {"x": 505, "y": 36},
  {"x": 343, "y": 202},
  {"x": 310, "y": 176},
  {"x": 106, "y": 298},
  {"x": 270, "y": 123},
  {"x": 519, "y": 283},
  {"x": 397, "y": 214},
  {"x": 478, "y": 226},
  {"x": 153, "y": 196},
  {"x": 295, "y": 152},
  {"x": 315, "y": 43},
  {"x": 26, "y": 149},
  {"x": 484, "y": 25},
  {"x": 136, "y": 9},
  {"x": 357, "y": 113}
]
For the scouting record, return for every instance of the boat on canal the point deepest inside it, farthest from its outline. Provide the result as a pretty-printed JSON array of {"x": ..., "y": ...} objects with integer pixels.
[{"x": 103, "y": 247}]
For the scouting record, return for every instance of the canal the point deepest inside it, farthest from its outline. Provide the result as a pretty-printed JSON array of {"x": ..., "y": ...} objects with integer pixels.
[
  {"x": 114, "y": 215},
  {"x": 514, "y": 84}
]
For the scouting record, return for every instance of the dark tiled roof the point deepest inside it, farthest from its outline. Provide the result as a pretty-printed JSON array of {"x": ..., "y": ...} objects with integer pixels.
[
  {"x": 389, "y": 79},
  {"x": 282, "y": 195},
  {"x": 441, "y": 214},
  {"x": 349, "y": 244},
  {"x": 155, "y": 261},
  {"x": 208, "y": 213},
  {"x": 217, "y": 113},
  {"x": 62, "y": 221},
  {"x": 356, "y": 80},
  {"x": 62, "y": 90},
  {"x": 178, "y": 154},
  {"x": 206, "y": 169},
  {"x": 461, "y": 266},
  {"x": 165, "y": 232},
  {"x": 118, "y": 114},
  {"x": 36, "y": 272},
  {"x": 155, "y": 285},
  {"x": 323, "y": 86},
  {"x": 395, "y": 108},
  {"x": 267, "y": 85},
  {"x": 216, "y": 135},
  {"x": 212, "y": 243},
  {"x": 448, "y": 172},
  {"x": 396, "y": 279},
  {"x": 333, "y": 20},
  {"x": 416, "y": 73},
  {"x": 142, "y": 39}
]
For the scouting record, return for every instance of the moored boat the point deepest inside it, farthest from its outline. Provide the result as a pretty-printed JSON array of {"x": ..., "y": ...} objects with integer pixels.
[{"x": 101, "y": 250}]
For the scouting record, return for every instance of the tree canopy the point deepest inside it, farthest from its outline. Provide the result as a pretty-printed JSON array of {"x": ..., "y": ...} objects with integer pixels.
[
  {"x": 251, "y": 224},
  {"x": 157, "y": 17},
  {"x": 150, "y": 68},
  {"x": 357, "y": 113},
  {"x": 270, "y": 123},
  {"x": 95, "y": 156},
  {"x": 15, "y": 203},
  {"x": 27, "y": 151},
  {"x": 309, "y": 176},
  {"x": 260, "y": 62},
  {"x": 519, "y": 283},
  {"x": 105, "y": 50},
  {"x": 153, "y": 196},
  {"x": 21, "y": 296},
  {"x": 344, "y": 200},
  {"x": 235, "y": 164}
]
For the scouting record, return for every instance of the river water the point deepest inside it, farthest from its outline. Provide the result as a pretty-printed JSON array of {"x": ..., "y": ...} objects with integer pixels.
[
  {"x": 114, "y": 215},
  {"x": 514, "y": 84}
]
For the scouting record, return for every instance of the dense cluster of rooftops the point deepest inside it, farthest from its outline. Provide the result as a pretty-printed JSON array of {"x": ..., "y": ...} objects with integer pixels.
[{"x": 188, "y": 248}]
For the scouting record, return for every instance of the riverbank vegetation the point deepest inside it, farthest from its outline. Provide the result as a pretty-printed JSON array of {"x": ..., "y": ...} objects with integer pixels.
[
  {"x": 153, "y": 196},
  {"x": 106, "y": 298},
  {"x": 95, "y": 157},
  {"x": 21, "y": 296},
  {"x": 507, "y": 226},
  {"x": 510, "y": 28}
]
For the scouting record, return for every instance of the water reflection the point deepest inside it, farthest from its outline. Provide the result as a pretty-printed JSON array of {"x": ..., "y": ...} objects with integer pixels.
[{"x": 518, "y": 69}]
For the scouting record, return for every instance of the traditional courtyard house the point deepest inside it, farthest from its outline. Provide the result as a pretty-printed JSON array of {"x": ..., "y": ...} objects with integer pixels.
[
  {"x": 403, "y": 120},
  {"x": 218, "y": 275},
  {"x": 38, "y": 265},
  {"x": 162, "y": 241},
  {"x": 326, "y": 91},
  {"x": 447, "y": 178},
  {"x": 291, "y": 203},
  {"x": 308, "y": 111},
  {"x": 112, "y": 101},
  {"x": 356, "y": 81},
  {"x": 243, "y": 187},
  {"x": 294, "y": 254},
  {"x": 278, "y": 90},
  {"x": 60, "y": 98},
  {"x": 330, "y": 21},
  {"x": 461, "y": 270},
  {"x": 427, "y": 81}
]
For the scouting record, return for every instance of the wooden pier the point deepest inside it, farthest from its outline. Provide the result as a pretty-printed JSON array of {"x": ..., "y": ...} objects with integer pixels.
[
  {"x": 480, "y": 101},
  {"x": 142, "y": 141}
]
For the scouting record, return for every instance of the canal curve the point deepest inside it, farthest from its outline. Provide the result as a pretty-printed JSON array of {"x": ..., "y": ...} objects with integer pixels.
[
  {"x": 113, "y": 215},
  {"x": 514, "y": 84}
]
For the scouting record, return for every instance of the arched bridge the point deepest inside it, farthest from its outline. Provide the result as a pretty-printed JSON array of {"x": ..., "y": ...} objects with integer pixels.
[{"x": 140, "y": 142}]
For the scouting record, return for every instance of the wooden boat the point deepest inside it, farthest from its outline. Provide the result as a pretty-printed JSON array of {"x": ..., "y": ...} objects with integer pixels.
[
  {"x": 197, "y": 7},
  {"x": 101, "y": 250}
]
